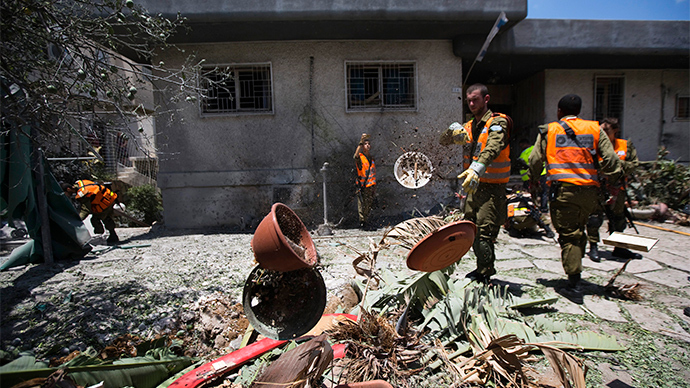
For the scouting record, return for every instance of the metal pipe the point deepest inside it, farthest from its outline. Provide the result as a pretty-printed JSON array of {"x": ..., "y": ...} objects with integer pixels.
[
  {"x": 325, "y": 202},
  {"x": 74, "y": 158},
  {"x": 43, "y": 210}
]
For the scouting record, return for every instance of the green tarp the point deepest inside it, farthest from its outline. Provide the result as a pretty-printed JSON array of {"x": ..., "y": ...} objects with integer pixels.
[{"x": 19, "y": 200}]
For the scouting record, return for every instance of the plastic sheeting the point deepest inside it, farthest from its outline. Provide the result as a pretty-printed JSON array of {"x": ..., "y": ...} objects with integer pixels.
[{"x": 19, "y": 200}]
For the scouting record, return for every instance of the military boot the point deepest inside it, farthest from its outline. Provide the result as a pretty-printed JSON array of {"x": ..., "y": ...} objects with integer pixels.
[{"x": 594, "y": 252}]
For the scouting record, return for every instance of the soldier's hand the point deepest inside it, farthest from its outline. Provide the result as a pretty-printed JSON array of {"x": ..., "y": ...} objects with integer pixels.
[
  {"x": 613, "y": 194},
  {"x": 470, "y": 182},
  {"x": 455, "y": 134}
]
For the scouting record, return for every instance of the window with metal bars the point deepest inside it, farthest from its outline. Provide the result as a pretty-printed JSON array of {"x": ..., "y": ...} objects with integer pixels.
[
  {"x": 380, "y": 86},
  {"x": 609, "y": 97},
  {"x": 682, "y": 108},
  {"x": 238, "y": 89}
]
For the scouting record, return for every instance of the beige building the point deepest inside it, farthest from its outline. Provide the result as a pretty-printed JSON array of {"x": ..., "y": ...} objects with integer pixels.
[{"x": 309, "y": 77}]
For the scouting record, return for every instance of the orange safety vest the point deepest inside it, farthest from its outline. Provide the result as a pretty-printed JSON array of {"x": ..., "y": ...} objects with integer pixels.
[
  {"x": 621, "y": 148},
  {"x": 366, "y": 176},
  {"x": 101, "y": 196},
  {"x": 566, "y": 160},
  {"x": 499, "y": 169}
]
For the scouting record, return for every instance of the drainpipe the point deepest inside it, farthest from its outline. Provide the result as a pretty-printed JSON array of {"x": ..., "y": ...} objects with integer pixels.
[
  {"x": 662, "y": 120},
  {"x": 325, "y": 229},
  {"x": 311, "y": 110},
  {"x": 325, "y": 202}
]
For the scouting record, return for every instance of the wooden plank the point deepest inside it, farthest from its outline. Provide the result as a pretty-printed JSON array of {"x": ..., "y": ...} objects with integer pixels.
[{"x": 630, "y": 241}]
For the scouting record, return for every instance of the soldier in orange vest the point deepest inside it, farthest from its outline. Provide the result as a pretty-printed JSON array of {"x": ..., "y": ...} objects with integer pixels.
[
  {"x": 616, "y": 196},
  {"x": 97, "y": 200},
  {"x": 572, "y": 149},
  {"x": 486, "y": 172},
  {"x": 366, "y": 180}
]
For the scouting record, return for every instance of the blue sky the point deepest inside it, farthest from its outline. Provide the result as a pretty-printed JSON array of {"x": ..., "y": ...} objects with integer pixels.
[{"x": 609, "y": 9}]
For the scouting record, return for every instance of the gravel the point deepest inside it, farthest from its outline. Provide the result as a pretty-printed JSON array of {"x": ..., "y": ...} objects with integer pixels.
[{"x": 155, "y": 283}]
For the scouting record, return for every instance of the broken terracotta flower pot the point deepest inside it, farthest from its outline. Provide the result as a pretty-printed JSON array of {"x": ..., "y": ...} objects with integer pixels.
[
  {"x": 443, "y": 247},
  {"x": 282, "y": 242},
  {"x": 284, "y": 305}
]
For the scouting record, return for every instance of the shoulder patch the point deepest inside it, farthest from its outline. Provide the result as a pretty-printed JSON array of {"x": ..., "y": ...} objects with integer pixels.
[{"x": 495, "y": 127}]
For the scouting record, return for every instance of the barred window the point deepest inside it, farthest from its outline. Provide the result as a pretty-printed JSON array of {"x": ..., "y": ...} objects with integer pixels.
[
  {"x": 609, "y": 97},
  {"x": 237, "y": 89},
  {"x": 380, "y": 86},
  {"x": 682, "y": 107}
]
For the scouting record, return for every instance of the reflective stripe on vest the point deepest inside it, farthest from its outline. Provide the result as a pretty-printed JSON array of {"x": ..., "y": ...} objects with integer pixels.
[
  {"x": 566, "y": 161},
  {"x": 364, "y": 180},
  {"x": 499, "y": 169},
  {"x": 102, "y": 197}
]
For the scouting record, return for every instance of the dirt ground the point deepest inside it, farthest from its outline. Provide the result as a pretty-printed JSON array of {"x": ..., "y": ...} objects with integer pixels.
[{"x": 188, "y": 284}]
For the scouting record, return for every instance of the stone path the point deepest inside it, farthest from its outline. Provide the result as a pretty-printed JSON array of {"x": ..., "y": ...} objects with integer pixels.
[{"x": 663, "y": 273}]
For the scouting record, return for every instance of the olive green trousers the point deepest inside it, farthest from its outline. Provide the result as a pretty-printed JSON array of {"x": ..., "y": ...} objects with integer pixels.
[
  {"x": 487, "y": 208},
  {"x": 570, "y": 210}
]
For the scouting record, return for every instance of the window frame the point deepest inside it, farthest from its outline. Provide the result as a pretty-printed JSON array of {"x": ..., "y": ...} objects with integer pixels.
[
  {"x": 237, "y": 111},
  {"x": 621, "y": 116},
  {"x": 677, "y": 105},
  {"x": 382, "y": 106}
]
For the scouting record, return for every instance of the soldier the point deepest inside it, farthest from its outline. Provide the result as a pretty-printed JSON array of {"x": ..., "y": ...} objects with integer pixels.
[
  {"x": 571, "y": 148},
  {"x": 615, "y": 206},
  {"x": 366, "y": 180},
  {"x": 485, "y": 138},
  {"x": 97, "y": 200}
]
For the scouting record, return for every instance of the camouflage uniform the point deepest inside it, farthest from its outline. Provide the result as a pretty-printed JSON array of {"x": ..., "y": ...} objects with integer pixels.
[
  {"x": 571, "y": 204},
  {"x": 487, "y": 206}
]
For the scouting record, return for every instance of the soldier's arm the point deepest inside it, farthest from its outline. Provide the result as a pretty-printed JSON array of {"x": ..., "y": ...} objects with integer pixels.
[
  {"x": 496, "y": 142},
  {"x": 631, "y": 161},
  {"x": 538, "y": 156},
  {"x": 611, "y": 164}
]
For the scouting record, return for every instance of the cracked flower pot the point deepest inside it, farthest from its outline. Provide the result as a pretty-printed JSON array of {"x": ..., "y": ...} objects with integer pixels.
[
  {"x": 282, "y": 242},
  {"x": 284, "y": 305}
]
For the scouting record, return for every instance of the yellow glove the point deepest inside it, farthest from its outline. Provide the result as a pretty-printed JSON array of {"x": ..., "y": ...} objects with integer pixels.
[
  {"x": 471, "y": 180},
  {"x": 471, "y": 177},
  {"x": 455, "y": 134}
]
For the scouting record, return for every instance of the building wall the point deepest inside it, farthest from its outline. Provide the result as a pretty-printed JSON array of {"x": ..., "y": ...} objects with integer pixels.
[
  {"x": 528, "y": 112},
  {"x": 228, "y": 170},
  {"x": 643, "y": 105}
]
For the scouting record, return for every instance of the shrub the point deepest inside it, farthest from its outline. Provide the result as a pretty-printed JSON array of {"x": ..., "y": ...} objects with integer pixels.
[
  {"x": 664, "y": 181},
  {"x": 145, "y": 202}
]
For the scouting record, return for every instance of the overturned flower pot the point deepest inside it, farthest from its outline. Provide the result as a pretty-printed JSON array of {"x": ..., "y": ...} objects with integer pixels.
[
  {"x": 282, "y": 242},
  {"x": 284, "y": 305},
  {"x": 443, "y": 247}
]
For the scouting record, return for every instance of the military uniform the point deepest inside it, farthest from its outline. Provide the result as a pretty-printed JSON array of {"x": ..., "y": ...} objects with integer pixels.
[
  {"x": 366, "y": 186},
  {"x": 487, "y": 206},
  {"x": 573, "y": 180},
  {"x": 97, "y": 200},
  {"x": 616, "y": 211}
]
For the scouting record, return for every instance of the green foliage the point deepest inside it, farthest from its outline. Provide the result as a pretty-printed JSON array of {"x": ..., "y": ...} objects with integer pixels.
[
  {"x": 664, "y": 181},
  {"x": 88, "y": 369},
  {"x": 145, "y": 202},
  {"x": 63, "y": 66}
]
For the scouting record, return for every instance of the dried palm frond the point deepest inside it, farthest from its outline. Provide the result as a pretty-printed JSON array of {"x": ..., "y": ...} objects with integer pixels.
[
  {"x": 626, "y": 291},
  {"x": 375, "y": 350},
  {"x": 569, "y": 369},
  {"x": 298, "y": 367},
  {"x": 408, "y": 233}
]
